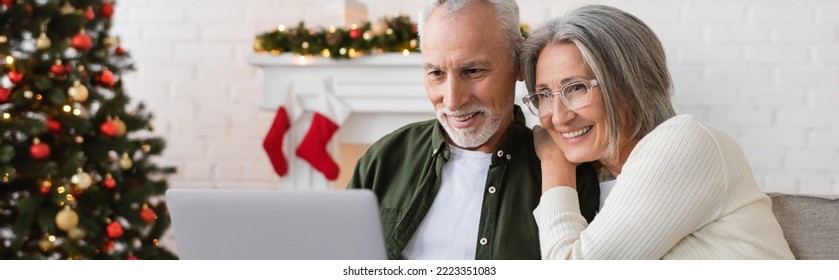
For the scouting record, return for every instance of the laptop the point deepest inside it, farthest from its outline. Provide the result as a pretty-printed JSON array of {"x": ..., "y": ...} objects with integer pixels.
[{"x": 236, "y": 224}]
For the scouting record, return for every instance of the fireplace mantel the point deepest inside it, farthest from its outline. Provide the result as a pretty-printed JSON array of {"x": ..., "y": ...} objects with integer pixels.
[{"x": 383, "y": 92}]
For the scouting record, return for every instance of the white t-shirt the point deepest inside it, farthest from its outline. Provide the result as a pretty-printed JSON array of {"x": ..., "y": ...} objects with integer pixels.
[
  {"x": 450, "y": 229},
  {"x": 606, "y": 188}
]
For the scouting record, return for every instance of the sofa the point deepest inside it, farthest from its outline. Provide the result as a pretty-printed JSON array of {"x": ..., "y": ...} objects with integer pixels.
[{"x": 810, "y": 224}]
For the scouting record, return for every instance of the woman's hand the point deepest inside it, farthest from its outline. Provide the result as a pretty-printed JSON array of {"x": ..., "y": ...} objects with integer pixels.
[{"x": 556, "y": 169}]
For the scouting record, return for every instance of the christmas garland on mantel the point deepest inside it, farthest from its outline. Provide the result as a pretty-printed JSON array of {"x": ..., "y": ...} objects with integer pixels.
[{"x": 390, "y": 34}]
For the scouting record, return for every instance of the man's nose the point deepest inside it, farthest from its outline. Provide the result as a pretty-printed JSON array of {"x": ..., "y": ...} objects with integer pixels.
[{"x": 456, "y": 94}]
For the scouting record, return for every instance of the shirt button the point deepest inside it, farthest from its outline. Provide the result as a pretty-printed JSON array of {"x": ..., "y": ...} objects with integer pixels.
[
  {"x": 491, "y": 189},
  {"x": 483, "y": 241},
  {"x": 509, "y": 156},
  {"x": 500, "y": 153}
]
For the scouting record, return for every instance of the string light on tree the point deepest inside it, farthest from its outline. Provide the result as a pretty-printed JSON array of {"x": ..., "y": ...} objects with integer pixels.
[{"x": 47, "y": 243}]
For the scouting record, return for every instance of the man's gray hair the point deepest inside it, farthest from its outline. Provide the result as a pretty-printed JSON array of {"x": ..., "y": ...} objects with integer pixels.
[
  {"x": 507, "y": 12},
  {"x": 628, "y": 62}
]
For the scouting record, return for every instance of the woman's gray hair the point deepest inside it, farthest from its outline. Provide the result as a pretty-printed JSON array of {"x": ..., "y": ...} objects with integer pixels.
[
  {"x": 507, "y": 12},
  {"x": 628, "y": 62}
]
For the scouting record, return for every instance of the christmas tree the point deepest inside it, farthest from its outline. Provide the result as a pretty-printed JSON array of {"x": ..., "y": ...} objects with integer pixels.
[{"x": 73, "y": 184}]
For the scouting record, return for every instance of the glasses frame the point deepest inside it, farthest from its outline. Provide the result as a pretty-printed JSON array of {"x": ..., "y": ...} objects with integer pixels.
[{"x": 589, "y": 84}]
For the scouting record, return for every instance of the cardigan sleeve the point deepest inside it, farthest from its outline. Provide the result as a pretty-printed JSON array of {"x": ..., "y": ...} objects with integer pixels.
[{"x": 671, "y": 185}]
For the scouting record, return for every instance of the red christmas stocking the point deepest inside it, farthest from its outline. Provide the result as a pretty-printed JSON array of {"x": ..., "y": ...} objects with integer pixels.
[
  {"x": 273, "y": 142},
  {"x": 328, "y": 117}
]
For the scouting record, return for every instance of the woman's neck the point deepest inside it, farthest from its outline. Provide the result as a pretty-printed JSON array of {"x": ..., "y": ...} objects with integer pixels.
[{"x": 615, "y": 166}]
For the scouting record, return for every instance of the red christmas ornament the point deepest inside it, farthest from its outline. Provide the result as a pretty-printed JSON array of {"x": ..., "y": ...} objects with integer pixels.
[
  {"x": 106, "y": 78},
  {"x": 82, "y": 41},
  {"x": 109, "y": 182},
  {"x": 119, "y": 51},
  {"x": 4, "y": 95},
  {"x": 414, "y": 29},
  {"x": 106, "y": 10},
  {"x": 8, "y": 2},
  {"x": 39, "y": 150},
  {"x": 108, "y": 246},
  {"x": 46, "y": 187},
  {"x": 15, "y": 76},
  {"x": 114, "y": 230},
  {"x": 53, "y": 125},
  {"x": 29, "y": 9},
  {"x": 109, "y": 128},
  {"x": 57, "y": 68},
  {"x": 77, "y": 192},
  {"x": 148, "y": 215},
  {"x": 89, "y": 14},
  {"x": 356, "y": 33}
]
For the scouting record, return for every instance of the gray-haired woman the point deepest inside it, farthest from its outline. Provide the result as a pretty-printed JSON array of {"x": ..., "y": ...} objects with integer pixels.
[{"x": 677, "y": 188}]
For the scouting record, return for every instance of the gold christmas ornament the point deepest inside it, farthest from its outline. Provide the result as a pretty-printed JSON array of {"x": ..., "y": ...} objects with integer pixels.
[
  {"x": 28, "y": 94},
  {"x": 76, "y": 233},
  {"x": 81, "y": 180},
  {"x": 78, "y": 92},
  {"x": 47, "y": 243},
  {"x": 111, "y": 41},
  {"x": 66, "y": 219},
  {"x": 43, "y": 42},
  {"x": 257, "y": 45},
  {"x": 3, "y": 39},
  {"x": 79, "y": 139},
  {"x": 120, "y": 125},
  {"x": 146, "y": 148},
  {"x": 125, "y": 162},
  {"x": 67, "y": 8}
]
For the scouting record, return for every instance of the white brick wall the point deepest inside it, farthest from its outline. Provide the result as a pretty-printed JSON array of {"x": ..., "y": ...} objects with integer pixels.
[{"x": 765, "y": 71}]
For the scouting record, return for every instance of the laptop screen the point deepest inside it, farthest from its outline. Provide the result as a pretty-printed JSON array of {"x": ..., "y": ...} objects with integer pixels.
[{"x": 233, "y": 224}]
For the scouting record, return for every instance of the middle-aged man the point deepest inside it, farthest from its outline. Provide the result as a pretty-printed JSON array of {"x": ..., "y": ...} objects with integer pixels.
[{"x": 463, "y": 186}]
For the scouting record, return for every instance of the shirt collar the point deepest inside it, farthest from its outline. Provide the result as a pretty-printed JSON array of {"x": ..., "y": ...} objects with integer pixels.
[{"x": 508, "y": 148}]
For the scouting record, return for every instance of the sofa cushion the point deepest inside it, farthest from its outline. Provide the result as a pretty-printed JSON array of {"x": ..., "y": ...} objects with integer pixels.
[{"x": 810, "y": 224}]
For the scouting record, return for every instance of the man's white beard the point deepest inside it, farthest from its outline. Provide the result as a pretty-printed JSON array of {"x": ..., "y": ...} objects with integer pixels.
[{"x": 475, "y": 136}]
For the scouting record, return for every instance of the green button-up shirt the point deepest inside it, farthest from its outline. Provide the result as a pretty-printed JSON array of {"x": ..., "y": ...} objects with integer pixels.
[{"x": 403, "y": 169}]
